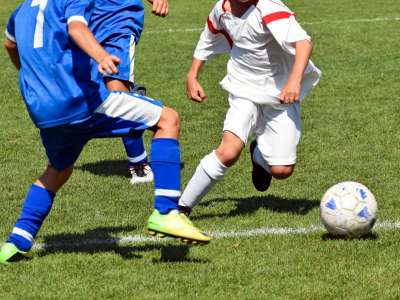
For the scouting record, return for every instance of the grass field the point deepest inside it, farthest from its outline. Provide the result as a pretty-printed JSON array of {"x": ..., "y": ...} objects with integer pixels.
[{"x": 94, "y": 244}]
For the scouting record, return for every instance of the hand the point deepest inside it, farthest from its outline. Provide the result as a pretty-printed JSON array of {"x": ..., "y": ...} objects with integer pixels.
[
  {"x": 194, "y": 90},
  {"x": 290, "y": 92},
  {"x": 160, "y": 7},
  {"x": 108, "y": 65}
]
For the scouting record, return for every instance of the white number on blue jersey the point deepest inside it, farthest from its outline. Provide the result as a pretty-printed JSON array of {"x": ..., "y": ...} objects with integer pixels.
[{"x": 38, "y": 38}]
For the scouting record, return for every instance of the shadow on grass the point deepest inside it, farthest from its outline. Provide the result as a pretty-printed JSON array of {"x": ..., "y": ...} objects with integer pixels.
[
  {"x": 109, "y": 168},
  {"x": 106, "y": 168},
  {"x": 368, "y": 237},
  {"x": 102, "y": 240},
  {"x": 177, "y": 254},
  {"x": 252, "y": 204}
]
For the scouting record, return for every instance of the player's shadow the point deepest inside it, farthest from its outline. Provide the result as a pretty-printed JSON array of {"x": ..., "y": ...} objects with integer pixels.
[
  {"x": 102, "y": 239},
  {"x": 108, "y": 168},
  {"x": 270, "y": 202}
]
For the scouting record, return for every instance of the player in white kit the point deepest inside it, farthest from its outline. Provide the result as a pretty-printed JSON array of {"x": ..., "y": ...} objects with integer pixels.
[{"x": 268, "y": 74}]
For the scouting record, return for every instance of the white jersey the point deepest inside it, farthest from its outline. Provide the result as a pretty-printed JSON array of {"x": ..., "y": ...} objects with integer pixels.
[{"x": 260, "y": 47}]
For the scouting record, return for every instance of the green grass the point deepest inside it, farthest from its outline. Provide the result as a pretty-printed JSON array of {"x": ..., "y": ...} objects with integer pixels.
[{"x": 350, "y": 132}]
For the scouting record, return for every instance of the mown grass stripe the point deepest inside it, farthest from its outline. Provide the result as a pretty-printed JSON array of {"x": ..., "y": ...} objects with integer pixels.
[{"x": 347, "y": 21}]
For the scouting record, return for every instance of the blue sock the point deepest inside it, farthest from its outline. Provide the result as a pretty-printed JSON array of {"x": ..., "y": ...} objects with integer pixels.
[
  {"x": 37, "y": 205},
  {"x": 135, "y": 151},
  {"x": 166, "y": 166}
]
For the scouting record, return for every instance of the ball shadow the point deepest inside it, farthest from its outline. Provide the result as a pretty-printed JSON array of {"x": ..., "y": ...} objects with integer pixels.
[{"x": 367, "y": 237}]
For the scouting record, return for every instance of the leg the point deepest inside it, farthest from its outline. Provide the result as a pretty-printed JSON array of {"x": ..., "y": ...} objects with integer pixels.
[
  {"x": 137, "y": 160},
  {"x": 37, "y": 205},
  {"x": 212, "y": 168},
  {"x": 134, "y": 146},
  {"x": 239, "y": 122},
  {"x": 274, "y": 153},
  {"x": 165, "y": 162},
  {"x": 62, "y": 153},
  {"x": 123, "y": 113},
  {"x": 123, "y": 46},
  {"x": 53, "y": 179}
]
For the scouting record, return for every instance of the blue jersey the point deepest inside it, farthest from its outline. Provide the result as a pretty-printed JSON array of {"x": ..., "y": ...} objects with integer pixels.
[
  {"x": 111, "y": 17},
  {"x": 55, "y": 76}
]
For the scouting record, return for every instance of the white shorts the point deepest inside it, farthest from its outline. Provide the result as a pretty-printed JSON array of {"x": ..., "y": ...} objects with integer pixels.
[{"x": 277, "y": 128}]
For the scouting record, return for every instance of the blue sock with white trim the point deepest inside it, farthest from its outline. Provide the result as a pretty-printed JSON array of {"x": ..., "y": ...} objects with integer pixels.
[
  {"x": 37, "y": 205},
  {"x": 135, "y": 151},
  {"x": 166, "y": 166}
]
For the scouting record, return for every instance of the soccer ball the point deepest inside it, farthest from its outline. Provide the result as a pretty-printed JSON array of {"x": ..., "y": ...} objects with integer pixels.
[{"x": 348, "y": 209}]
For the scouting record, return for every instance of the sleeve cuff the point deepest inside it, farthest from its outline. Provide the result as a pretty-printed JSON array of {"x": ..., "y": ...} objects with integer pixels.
[
  {"x": 199, "y": 56},
  {"x": 10, "y": 36},
  {"x": 78, "y": 19}
]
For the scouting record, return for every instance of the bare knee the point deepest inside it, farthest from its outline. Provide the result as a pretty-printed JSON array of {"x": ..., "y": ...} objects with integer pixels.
[
  {"x": 53, "y": 179},
  {"x": 228, "y": 152},
  {"x": 282, "y": 172},
  {"x": 169, "y": 124},
  {"x": 228, "y": 156}
]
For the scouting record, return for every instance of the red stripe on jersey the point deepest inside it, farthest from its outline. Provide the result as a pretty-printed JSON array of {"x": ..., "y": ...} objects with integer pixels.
[
  {"x": 276, "y": 16},
  {"x": 214, "y": 30},
  {"x": 211, "y": 26}
]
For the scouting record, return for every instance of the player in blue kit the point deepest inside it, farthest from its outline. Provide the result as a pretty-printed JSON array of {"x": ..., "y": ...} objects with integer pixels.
[
  {"x": 50, "y": 43},
  {"x": 117, "y": 25}
]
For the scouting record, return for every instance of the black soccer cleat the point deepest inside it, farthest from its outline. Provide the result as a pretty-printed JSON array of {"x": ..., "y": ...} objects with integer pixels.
[
  {"x": 185, "y": 210},
  {"x": 261, "y": 178}
]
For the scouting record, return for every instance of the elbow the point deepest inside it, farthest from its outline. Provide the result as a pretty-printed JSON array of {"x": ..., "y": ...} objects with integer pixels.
[
  {"x": 311, "y": 44},
  {"x": 10, "y": 45},
  {"x": 308, "y": 42}
]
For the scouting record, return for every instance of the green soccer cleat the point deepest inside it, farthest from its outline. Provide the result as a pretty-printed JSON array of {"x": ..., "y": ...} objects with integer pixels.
[
  {"x": 10, "y": 253},
  {"x": 176, "y": 225}
]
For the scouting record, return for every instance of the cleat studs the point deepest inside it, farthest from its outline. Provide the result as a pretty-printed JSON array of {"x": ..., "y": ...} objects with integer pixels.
[
  {"x": 160, "y": 235},
  {"x": 151, "y": 232}
]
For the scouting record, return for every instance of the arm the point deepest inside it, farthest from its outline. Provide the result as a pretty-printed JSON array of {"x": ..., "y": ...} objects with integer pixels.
[
  {"x": 10, "y": 42},
  {"x": 291, "y": 91},
  {"x": 194, "y": 90},
  {"x": 160, "y": 7},
  {"x": 12, "y": 50},
  {"x": 84, "y": 38},
  {"x": 212, "y": 42},
  {"x": 282, "y": 24}
]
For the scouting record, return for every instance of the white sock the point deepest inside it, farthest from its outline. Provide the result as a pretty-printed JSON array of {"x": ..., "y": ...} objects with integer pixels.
[{"x": 208, "y": 172}]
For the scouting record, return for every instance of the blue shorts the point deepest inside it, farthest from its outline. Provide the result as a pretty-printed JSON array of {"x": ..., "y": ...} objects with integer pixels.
[
  {"x": 121, "y": 114},
  {"x": 123, "y": 46}
]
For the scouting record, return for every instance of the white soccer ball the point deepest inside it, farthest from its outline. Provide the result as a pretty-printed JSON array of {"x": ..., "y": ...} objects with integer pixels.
[{"x": 348, "y": 209}]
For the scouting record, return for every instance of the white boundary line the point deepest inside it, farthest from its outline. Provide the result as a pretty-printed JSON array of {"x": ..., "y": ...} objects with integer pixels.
[
  {"x": 263, "y": 231},
  {"x": 361, "y": 20}
]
